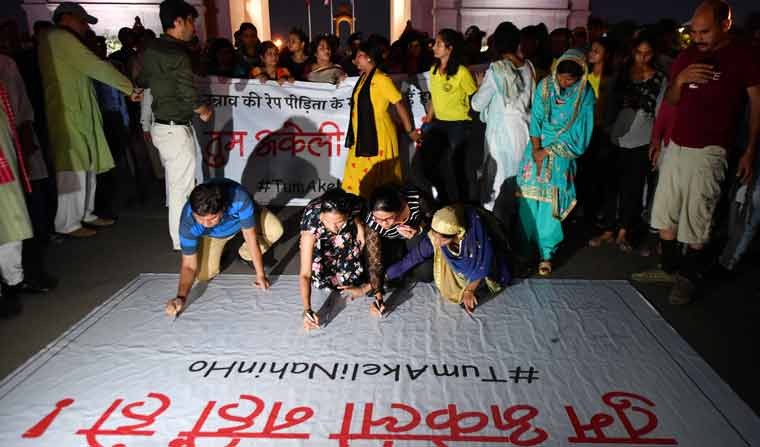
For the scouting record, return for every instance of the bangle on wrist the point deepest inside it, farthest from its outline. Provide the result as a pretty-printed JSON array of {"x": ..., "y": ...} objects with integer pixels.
[{"x": 182, "y": 298}]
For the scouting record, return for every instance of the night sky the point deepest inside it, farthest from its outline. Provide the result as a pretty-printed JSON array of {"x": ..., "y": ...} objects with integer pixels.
[
  {"x": 648, "y": 11},
  {"x": 373, "y": 15}
]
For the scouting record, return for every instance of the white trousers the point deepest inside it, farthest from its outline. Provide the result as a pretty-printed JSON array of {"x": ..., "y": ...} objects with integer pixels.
[
  {"x": 76, "y": 200},
  {"x": 176, "y": 146},
  {"x": 11, "y": 270}
]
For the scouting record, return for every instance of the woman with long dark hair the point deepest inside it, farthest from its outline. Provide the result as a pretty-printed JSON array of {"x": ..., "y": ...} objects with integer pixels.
[
  {"x": 594, "y": 176},
  {"x": 221, "y": 58},
  {"x": 638, "y": 92},
  {"x": 323, "y": 69},
  {"x": 270, "y": 70},
  {"x": 504, "y": 99},
  {"x": 332, "y": 240},
  {"x": 296, "y": 59},
  {"x": 396, "y": 221},
  {"x": 448, "y": 117},
  {"x": 248, "y": 54},
  {"x": 373, "y": 157}
]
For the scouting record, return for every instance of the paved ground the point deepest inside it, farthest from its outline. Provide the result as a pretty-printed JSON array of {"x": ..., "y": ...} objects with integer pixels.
[{"x": 722, "y": 326}]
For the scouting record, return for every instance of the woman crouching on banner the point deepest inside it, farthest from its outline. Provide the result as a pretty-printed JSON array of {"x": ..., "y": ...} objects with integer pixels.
[
  {"x": 332, "y": 241},
  {"x": 562, "y": 121},
  {"x": 398, "y": 218},
  {"x": 269, "y": 70},
  {"x": 324, "y": 69},
  {"x": 373, "y": 157},
  {"x": 469, "y": 255}
]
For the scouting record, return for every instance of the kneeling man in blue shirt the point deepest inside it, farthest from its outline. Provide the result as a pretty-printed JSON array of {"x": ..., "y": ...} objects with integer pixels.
[{"x": 215, "y": 212}]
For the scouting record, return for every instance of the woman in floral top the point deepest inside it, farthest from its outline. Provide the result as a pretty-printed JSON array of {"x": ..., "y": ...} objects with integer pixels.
[{"x": 332, "y": 240}]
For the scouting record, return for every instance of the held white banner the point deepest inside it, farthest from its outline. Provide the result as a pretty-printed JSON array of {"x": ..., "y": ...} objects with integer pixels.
[
  {"x": 285, "y": 143},
  {"x": 544, "y": 363}
]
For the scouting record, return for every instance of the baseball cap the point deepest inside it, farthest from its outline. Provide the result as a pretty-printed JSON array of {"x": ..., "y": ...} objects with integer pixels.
[{"x": 74, "y": 9}]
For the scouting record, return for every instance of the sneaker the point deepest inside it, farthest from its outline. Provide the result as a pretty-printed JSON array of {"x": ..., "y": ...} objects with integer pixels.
[
  {"x": 100, "y": 222},
  {"x": 606, "y": 237},
  {"x": 654, "y": 276},
  {"x": 81, "y": 233},
  {"x": 682, "y": 291}
]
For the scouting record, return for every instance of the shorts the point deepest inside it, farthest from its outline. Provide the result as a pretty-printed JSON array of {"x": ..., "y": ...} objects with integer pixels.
[{"x": 688, "y": 191}]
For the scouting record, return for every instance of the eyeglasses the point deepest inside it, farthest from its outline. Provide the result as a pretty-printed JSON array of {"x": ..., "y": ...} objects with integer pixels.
[{"x": 382, "y": 220}]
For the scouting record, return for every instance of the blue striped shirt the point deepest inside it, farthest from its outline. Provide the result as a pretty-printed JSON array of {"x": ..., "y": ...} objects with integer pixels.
[{"x": 239, "y": 214}]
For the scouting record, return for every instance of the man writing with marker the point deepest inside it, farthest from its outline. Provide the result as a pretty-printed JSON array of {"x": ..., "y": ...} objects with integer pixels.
[{"x": 217, "y": 211}]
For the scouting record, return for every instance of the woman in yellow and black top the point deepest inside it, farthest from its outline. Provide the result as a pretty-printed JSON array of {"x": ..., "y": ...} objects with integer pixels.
[
  {"x": 373, "y": 157},
  {"x": 448, "y": 119}
]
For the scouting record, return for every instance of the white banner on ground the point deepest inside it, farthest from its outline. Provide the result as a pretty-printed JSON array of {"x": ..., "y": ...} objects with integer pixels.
[
  {"x": 545, "y": 363},
  {"x": 285, "y": 143}
]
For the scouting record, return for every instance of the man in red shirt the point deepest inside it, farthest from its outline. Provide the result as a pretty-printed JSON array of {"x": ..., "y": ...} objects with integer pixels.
[{"x": 710, "y": 84}]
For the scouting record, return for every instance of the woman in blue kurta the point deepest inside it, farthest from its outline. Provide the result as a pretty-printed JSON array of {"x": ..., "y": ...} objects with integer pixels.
[
  {"x": 468, "y": 251},
  {"x": 562, "y": 120}
]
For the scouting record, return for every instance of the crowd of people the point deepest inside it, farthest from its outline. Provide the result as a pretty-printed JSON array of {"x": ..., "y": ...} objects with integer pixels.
[{"x": 642, "y": 133}]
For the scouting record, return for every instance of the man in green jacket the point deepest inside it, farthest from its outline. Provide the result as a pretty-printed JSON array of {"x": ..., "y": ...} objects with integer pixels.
[
  {"x": 167, "y": 72},
  {"x": 75, "y": 126}
]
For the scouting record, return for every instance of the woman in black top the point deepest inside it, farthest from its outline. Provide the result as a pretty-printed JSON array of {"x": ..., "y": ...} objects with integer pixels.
[
  {"x": 639, "y": 90},
  {"x": 296, "y": 59}
]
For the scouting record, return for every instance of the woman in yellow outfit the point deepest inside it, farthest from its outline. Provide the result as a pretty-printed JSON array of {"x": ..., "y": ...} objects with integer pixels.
[{"x": 373, "y": 157}]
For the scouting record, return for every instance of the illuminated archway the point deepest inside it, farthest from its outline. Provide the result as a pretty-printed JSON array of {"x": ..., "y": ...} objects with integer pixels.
[{"x": 344, "y": 15}]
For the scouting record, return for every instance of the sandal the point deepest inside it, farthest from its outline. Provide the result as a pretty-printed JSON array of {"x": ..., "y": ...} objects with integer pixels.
[
  {"x": 651, "y": 248},
  {"x": 545, "y": 268},
  {"x": 604, "y": 238},
  {"x": 624, "y": 245}
]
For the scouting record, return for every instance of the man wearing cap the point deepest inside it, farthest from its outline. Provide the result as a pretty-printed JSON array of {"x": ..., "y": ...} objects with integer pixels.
[
  {"x": 167, "y": 73},
  {"x": 75, "y": 127}
]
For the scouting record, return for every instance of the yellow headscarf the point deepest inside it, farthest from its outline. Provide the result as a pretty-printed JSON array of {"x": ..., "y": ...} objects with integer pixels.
[{"x": 450, "y": 220}]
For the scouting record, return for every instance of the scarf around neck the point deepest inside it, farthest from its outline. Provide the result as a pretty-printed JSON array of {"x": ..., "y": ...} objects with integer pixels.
[
  {"x": 6, "y": 171},
  {"x": 366, "y": 138}
]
